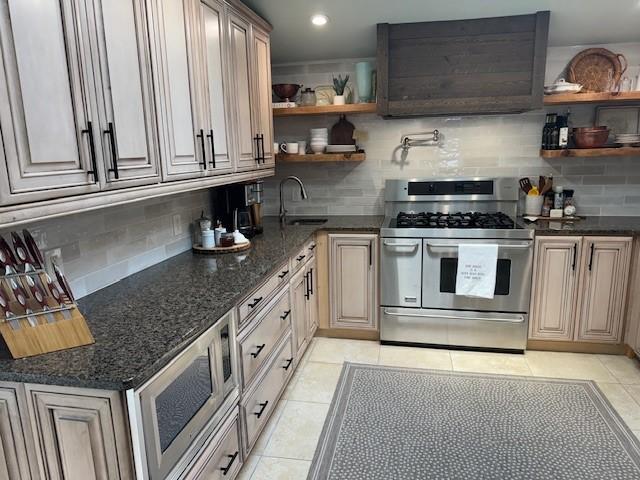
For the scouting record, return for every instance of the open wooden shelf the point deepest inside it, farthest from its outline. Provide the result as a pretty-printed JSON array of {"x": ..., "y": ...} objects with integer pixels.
[
  {"x": 605, "y": 98},
  {"x": 592, "y": 152},
  {"x": 322, "y": 157},
  {"x": 326, "y": 109}
]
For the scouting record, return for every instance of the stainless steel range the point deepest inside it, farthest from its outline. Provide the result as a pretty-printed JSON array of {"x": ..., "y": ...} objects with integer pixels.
[{"x": 426, "y": 221}]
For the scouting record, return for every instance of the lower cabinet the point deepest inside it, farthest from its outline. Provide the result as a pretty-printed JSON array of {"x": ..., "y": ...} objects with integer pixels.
[
  {"x": 353, "y": 281},
  {"x": 579, "y": 288},
  {"x": 14, "y": 457}
]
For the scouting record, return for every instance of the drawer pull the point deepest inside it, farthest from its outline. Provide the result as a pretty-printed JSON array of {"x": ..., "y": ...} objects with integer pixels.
[
  {"x": 256, "y": 301},
  {"x": 289, "y": 362},
  {"x": 312, "y": 247},
  {"x": 232, "y": 458},
  {"x": 286, "y": 314},
  {"x": 263, "y": 406},
  {"x": 257, "y": 352},
  {"x": 283, "y": 274},
  {"x": 301, "y": 257}
]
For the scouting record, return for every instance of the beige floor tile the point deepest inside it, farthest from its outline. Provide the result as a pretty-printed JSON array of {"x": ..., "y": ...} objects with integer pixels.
[
  {"x": 281, "y": 469},
  {"x": 637, "y": 433},
  {"x": 297, "y": 431},
  {"x": 415, "y": 357},
  {"x": 248, "y": 467},
  {"x": 634, "y": 391},
  {"x": 581, "y": 366},
  {"x": 626, "y": 370},
  {"x": 317, "y": 382},
  {"x": 623, "y": 402},
  {"x": 498, "y": 363},
  {"x": 335, "y": 350},
  {"x": 264, "y": 437}
]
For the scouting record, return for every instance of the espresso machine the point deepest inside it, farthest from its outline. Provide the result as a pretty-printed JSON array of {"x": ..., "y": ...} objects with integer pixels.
[{"x": 239, "y": 206}]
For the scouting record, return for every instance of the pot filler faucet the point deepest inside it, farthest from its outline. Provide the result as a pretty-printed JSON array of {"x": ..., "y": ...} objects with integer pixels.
[{"x": 303, "y": 192}]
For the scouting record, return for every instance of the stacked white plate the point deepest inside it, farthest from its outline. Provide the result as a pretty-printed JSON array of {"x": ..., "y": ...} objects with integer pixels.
[
  {"x": 627, "y": 138},
  {"x": 319, "y": 139}
]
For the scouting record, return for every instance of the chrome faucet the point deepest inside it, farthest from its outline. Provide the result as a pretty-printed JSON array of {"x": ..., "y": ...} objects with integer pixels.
[{"x": 303, "y": 192}]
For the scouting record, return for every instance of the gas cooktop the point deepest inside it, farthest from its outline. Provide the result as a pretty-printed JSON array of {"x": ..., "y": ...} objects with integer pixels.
[{"x": 497, "y": 220}]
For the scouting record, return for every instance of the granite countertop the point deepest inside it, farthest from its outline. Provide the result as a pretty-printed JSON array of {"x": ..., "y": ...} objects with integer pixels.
[
  {"x": 586, "y": 226},
  {"x": 143, "y": 321}
]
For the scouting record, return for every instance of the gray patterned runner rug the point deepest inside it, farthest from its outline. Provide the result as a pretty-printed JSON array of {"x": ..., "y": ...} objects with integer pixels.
[{"x": 400, "y": 423}]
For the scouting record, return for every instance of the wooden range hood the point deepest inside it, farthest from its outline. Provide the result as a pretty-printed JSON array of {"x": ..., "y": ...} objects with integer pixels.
[{"x": 479, "y": 66}]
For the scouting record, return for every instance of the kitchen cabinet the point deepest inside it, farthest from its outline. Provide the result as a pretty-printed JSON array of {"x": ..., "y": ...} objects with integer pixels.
[
  {"x": 262, "y": 97},
  {"x": 312, "y": 297},
  {"x": 353, "y": 282},
  {"x": 14, "y": 456},
  {"x": 299, "y": 311},
  {"x": 579, "y": 288},
  {"x": 632, "y": 335}
]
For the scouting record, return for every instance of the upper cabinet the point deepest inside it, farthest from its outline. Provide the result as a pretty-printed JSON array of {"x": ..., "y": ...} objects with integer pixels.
[
  {"x": 262, "y": 97},
  {"x": 488, "y": 65}
]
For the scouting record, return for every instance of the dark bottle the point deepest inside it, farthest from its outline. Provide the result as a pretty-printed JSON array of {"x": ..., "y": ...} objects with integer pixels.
[
  {"x": 550, "y": 121},
  {"x": 554, "y": 136},
  {"x": 562, "y": 122}
]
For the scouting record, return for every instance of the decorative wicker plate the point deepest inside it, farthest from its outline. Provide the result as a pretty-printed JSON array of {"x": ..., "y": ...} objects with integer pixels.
[
  {"x": 233, "y": 249},
  {"x": 597, "y": 69}
]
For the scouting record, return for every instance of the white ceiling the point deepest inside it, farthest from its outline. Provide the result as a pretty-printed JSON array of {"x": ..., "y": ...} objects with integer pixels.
[{"x": 351, "y": 32}]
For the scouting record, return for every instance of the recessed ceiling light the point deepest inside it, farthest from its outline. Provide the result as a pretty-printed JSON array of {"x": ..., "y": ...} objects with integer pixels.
[{"x": 319, "y": 19}]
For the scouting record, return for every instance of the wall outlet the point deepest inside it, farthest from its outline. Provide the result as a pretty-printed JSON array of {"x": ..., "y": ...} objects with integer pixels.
[
  {"x": 53, "y": 257},
  {"x": 177, "y": 225}
]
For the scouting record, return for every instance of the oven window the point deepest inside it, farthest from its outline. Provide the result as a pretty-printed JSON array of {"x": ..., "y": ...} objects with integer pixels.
[
  {"x": 182, "y": 399},
  {"x": 449, "y": 270}
]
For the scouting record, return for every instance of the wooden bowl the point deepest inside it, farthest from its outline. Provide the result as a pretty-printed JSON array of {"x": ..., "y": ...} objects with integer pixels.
[
  {"x": 286, "y": 91},
  {"x": 590, "y": 138}
]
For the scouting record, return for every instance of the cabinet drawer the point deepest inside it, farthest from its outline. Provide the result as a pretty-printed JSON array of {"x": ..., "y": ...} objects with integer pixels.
[
  {"x": 221, "y": 458},
  {"x": 254, "y": 302},
  {"x": 261, "y": 401},
  {"x": 256, "y": 346}
]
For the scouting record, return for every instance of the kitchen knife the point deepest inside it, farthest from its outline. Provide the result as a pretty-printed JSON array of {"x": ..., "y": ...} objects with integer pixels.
[
  {"x": 63, "y": 283},
  {"x": 4, "y": 308},
  {"x": 21, "y": 297},
  {"x": 55, "y": 293},
  {"x": 36, "y": 254},
  {"x": 5, "y": 246},
  {"x": 36, "y": 292},
  {"x": 22, "y": 252},
  {"x": 5, "y": 264}
]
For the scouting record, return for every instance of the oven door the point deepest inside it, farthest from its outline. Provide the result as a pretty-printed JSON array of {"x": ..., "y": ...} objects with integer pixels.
[
  {"x": 401, "y": 272},
  {"x": 179, "y": 401},
  {"x": 513, "y": 276}
]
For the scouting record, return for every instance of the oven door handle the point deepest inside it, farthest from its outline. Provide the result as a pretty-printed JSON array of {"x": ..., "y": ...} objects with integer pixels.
[
  {"x": 456, "y": 245},
  {"x": 409, "y": 245},
  {"x": 514, "y": 319}
]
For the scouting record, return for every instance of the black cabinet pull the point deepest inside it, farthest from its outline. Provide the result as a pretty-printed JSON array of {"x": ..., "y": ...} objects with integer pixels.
[
  {"x": 370, "y": 253},
  {"x": 311, "y": 280},
  {"x": 262, "y": 407},
  {"x": 286, "y": 314},
  {"x": 289, "y": 362},
  {"x": 591, "y": 256},
  {"x": 256, "y": 301},
  {"x": 312, "y": 247},
  {"x": 283, "y": 274},
  {"x": 257, "y": 140},
  {"x": 232, "y": 458},
  {"x": 204, "y": 153},
  {"x": 300, "y": 258},
  {"x": 213, "y": 149},
  {"x": 575, "y": 254},
  {"x": 92, "y": 152},
  {"x": 262, "y": 157},
  {"x": 257, "y": 352},
  {"x": 306, "y": 293},
  {"x": 114, "y": 150}
]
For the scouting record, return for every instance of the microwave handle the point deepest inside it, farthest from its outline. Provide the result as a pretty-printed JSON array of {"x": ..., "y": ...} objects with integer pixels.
[{"x": 456, "y": 245}]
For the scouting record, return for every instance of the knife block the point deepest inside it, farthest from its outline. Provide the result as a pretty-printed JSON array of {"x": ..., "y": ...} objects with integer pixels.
[{"x": 60, "y": 327}]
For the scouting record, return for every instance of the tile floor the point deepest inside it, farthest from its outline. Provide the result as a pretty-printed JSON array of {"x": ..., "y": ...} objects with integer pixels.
[{"x": 286, "y": 446}]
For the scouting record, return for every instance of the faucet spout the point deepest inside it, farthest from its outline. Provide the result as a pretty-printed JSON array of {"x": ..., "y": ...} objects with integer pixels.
[{"x": 303, "y": 193}]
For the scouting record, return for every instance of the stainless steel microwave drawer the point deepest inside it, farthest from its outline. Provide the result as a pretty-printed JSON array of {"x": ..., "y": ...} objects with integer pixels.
[
  {"x": 256, "y": 300},
  {"x": 258, "y": 404},
  {"x": 261, "y": 338}
]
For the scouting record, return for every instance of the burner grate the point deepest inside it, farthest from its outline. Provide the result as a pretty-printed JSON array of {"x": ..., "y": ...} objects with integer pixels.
[{"x": 496, "y": 220}]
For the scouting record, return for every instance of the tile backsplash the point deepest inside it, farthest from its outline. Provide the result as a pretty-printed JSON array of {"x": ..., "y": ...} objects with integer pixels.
[
  {"x": 495, "y": 145},
  {"x": 103, "y": 246}
]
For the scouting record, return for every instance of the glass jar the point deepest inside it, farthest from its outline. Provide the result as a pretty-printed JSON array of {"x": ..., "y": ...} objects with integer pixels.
[{"x": 308, "y": 98}]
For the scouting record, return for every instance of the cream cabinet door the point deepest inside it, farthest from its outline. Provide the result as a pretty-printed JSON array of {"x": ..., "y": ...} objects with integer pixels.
[
  {"x": 603, "y": 286},
  {"x": 353, "y": 281},
  {"x": 127, "y": 132},
  {"x": 215, "y": 61},
  {"x": 181, "y": 130},
  {"x": 14, "y": 463},
  {"x": 555, "y": 288},
  {"x": 299, "y": 311},
  {"x": 47, "y": 130},
  {"x": 246, "y": 138},
  {"x": 262, "y": 100},
  {"x": 311, "y": 274}
]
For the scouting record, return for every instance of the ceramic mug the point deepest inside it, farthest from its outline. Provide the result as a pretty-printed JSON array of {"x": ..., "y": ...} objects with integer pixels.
[
  {"x": 302, "y": 147},
  {"x": 289, "y": 147}
]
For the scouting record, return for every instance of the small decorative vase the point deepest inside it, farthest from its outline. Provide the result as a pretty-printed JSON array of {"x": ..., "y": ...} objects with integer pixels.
[
  {"x": 363, "y": 80},
  {"x": 338, "y": 100}
]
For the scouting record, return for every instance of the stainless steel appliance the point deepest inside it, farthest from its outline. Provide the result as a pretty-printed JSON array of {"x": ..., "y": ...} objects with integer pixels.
[
  {"x": 422, "y": 231},
  {"x": 174, "y": 413}
]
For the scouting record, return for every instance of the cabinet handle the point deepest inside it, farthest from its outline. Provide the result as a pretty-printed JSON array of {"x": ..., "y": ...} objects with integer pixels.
[
  {"x": 591, "y": 256},
  {"x": 283, "y": 274},
  {"x": 204, "y": 152},
  {"x": 300, "y": 258},
  {"x": 257, "y": 352},
  {"x": 262, "y": 407},
  {"x": 92, "y": 152},
  {"x": 256, "y": 301},
  {"x": 311, "y": 279},
  {"x": 306, "y": 293},
  {"x": 286, "y": 314},
  {"x": 370, "y": 253},
  {"x": 111, "y": 131},
  {"x": 262, "y": 147},
  {"x": 289, "y": 362},
  {"x": 213, "y": 149},
  {"x": 257, "y": 140},
  {"x": 312, "y": 247},
  {"x": 232, "y": 458},
  {"x": 575, "y": 254}
]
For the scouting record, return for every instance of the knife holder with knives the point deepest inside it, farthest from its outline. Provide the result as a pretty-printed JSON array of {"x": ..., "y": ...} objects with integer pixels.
[{"x": 37, "y": 314}]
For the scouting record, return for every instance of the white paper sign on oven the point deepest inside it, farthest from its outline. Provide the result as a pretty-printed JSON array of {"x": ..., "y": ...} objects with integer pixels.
[{"x": 476, "y": 275}]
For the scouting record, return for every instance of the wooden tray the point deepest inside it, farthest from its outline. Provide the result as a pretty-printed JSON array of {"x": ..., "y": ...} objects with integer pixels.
[
  {"x": 234, "y": 249},
  {"x": 593, "y": 68}
]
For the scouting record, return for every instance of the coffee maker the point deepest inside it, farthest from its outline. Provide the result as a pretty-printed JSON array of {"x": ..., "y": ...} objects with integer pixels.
[{"x": 239, "y": 206}]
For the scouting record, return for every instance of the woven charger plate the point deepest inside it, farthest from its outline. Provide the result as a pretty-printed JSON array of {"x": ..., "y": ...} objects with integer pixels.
[{"x": 597, "y": 69}]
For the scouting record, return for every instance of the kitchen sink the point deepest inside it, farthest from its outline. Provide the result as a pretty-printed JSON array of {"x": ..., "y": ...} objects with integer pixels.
[{"x": 307, "y": 221}]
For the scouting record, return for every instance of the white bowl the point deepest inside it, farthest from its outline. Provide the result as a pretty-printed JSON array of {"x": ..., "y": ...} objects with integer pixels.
[{"x": 317, "y": 148}]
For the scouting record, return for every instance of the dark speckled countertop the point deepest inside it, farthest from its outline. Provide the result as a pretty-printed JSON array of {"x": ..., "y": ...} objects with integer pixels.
[
  {"x": 143, "y": 321},
  {"x": 586, "y": 226}
]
